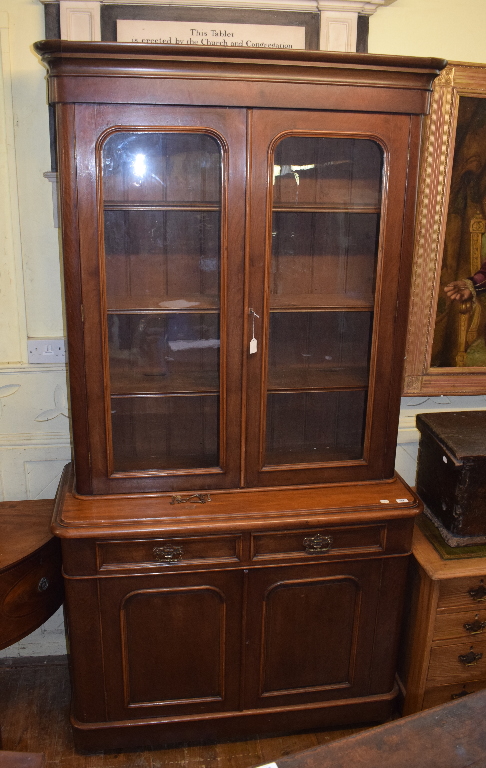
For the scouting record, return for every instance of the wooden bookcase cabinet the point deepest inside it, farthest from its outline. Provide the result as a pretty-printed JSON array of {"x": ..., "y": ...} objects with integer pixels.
[{"x": 237, "y": 230}]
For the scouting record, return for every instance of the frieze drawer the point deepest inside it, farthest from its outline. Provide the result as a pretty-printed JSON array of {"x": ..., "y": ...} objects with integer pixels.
[
  {"x": 316, "y": 542},
  {"x": 167, "y": 552}
]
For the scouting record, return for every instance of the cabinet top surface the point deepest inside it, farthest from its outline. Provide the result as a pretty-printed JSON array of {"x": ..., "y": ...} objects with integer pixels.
[
  {"x": 71, "y": 61},
  {"x": 128, "y": 51},
  {"x": 230, "y": 510},
  {"x": 436, "y": 567},
  {"x": 24, "y": 527}
]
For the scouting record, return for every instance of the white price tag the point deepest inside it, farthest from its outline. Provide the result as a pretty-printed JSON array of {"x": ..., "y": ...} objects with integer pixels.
[
  {"x": 401, "y": 501},
  {"x": 253, "y": 349}
]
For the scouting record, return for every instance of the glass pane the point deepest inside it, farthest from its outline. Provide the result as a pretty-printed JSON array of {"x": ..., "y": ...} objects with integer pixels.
[
  {"x": 323, "y": 258},
  {"x": 165, "y": 432},
  {"x": 163, "y": 353},
  {"x": 157, "y": 258},
  {"x": 155, "y": 167},
  {"x": 319, "y": 349},
  {"x": 325, "y": 233},
  {"x": 305, "y": 427},
  {"x": 339, "y": 172},
  {"x": 162, "y": 219}
]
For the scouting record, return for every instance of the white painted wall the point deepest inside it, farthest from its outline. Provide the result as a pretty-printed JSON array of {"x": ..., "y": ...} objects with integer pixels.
[
  {"x": 450, "y": 29},
  {"x": 32, "y": 448}
]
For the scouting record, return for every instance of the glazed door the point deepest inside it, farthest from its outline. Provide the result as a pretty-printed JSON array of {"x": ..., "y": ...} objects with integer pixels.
[
  {"x": 327, "y": 202},
  {"x": 312, "y": 630},
  {"x": 161, "y": 240}
]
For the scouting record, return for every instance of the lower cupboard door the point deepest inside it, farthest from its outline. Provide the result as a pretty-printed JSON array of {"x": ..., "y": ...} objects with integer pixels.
[
  {"x": 171, "y": 644},
  {"x": 311, "y": 632}
]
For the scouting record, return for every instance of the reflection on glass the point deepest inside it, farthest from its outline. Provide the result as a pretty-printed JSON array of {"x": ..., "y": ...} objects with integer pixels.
[
  {"x": 161, "y": 167},
  {"x": 163, "y": 352},
  {"x": 162, "y": 219},
  {"x": 325, "y": 232}
]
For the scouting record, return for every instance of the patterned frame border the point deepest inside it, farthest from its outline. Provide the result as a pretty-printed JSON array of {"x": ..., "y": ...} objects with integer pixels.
[{"x": 437, "y": 157}]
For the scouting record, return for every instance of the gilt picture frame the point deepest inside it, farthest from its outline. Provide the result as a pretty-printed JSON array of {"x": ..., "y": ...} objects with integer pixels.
[{"x": 446, "y": 340}]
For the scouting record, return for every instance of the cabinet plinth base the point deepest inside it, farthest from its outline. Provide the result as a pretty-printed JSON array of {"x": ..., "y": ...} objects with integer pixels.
[{"x": 135, "y": 734}]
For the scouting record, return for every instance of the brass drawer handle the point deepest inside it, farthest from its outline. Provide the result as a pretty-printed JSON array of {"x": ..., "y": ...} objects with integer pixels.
[
  {"x": 168, "y": 554},
  {"x": 196, "y": 498},
  {"x": 476, "y": 627},
  {"x": 313, "y": 545},
  {"x": 471, "y": 658},
  {"x": 478, "y": 593}
]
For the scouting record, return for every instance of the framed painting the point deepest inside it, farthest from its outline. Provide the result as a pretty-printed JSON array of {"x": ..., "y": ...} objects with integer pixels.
[{"x": 446, "y": 345}]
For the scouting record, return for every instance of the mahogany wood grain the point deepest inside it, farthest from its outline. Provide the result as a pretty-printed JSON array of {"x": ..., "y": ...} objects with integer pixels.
[
  {"x": 145, "y": 623},
  {"x": 86, "y": 517},
  {"x": 196, "y": 607},
  {"x": 21, "y": 759},
  {"x": 25, "y": 526},
  {"x": 31, "y": 588},
  {"x": 336, "y": 86}
]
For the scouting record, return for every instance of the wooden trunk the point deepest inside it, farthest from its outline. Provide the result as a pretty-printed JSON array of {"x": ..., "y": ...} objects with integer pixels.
[{"x": 451, "y": 471}]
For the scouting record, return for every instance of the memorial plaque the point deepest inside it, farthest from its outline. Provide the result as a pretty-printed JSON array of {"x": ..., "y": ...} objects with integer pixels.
[{"x": 210, "y": 34}]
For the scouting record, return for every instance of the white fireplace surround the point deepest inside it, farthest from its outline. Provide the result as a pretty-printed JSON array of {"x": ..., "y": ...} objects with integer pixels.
[{"x": 80, "y": 19}]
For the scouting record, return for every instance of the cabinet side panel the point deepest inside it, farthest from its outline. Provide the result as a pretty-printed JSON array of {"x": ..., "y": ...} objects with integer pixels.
[
  {"x": 65, "y": 114},
  {"x": 418, "y": 637},
  {"x": 387, "y": 633},
  {"x": 85, "y": 649}
]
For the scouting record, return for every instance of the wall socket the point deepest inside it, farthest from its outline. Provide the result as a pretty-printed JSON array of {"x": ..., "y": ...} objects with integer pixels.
[{"x": 46, "y": 351}]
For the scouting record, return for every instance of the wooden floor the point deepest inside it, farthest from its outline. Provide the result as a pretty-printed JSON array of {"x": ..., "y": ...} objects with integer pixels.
[{"x": 34, "y": 705}]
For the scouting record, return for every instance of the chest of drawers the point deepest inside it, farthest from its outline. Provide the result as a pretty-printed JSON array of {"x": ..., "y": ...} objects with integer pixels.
[{"x": 444, "y": 650}]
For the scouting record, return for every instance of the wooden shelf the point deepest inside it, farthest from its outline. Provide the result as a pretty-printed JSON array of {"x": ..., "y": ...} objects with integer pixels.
[
  {"x": 318, "y": 301},
  {"x": 289, "y": 457},
  {"x": 325, "y": 208},
  {"x": 149, "y": 205},
  {"x": 150, "y": 305},
  {"x": 152, "y": 383},
  {"x": 317, "y": 379}
]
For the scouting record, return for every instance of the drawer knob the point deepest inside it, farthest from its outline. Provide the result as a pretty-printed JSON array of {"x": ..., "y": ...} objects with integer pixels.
[
  {"x": 43, "y": 584},
  {"x": 469, "y": 659},
  {"x": 313, "y": 545},
  {"x": 476, "y": 627},
  {"x": 478, "y": 593},
  {"x": 168, "y": 554}
]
